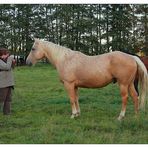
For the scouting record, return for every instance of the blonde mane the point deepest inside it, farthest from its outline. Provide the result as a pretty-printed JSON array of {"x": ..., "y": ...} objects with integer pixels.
[
  {"x": 57, "y": 47},
  {"x": 57, "y": 52}
]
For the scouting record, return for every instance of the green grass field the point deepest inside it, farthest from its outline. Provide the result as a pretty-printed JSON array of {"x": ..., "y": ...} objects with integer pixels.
[{"x": 41, "y": 113}]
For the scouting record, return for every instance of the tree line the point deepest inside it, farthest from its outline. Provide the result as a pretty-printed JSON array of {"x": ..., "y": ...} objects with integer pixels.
[{"x": 89, "y": 28}]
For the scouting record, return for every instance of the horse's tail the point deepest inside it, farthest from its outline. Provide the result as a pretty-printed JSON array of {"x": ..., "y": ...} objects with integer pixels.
[{"x": 143, "y": 80}]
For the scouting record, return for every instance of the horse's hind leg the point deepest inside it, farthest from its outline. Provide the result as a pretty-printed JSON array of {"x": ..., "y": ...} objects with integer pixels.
[
  {"x": 136, "y": 85},
  {"x": 77, "y": 102},
  {"x": 134, "y": 96},
  {"x": 73, "y": 98},
  {"x": 124, "y": 95}
]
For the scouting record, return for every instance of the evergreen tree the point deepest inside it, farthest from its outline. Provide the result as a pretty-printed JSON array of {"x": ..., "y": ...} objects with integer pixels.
[{"x": 89, "y": 28}]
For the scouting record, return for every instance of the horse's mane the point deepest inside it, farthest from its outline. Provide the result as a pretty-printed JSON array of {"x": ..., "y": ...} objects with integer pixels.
[
  {"x": 57, "y": 52},
  {"x": 57, "y": 48}
]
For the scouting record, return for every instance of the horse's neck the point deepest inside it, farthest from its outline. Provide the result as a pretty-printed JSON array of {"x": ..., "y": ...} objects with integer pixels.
[{"x": 55, "y": 54}]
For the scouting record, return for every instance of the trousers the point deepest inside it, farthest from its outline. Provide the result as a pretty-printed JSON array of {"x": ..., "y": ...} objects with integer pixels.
[{"x": 5, "y": 99}]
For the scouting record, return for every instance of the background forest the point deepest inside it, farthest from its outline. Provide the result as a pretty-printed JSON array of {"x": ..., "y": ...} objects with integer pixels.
[{"x": 91, "y": 29}]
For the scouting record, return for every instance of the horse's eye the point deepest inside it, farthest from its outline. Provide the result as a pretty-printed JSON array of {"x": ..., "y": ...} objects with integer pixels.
[{"x": 33, "y": 49}]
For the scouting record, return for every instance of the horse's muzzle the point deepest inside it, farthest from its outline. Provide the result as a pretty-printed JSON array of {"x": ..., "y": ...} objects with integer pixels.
[{"x": 29, "y": 63}]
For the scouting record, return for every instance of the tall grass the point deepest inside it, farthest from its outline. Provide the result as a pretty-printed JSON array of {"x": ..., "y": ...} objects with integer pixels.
[{"x": 41, "y": 113}]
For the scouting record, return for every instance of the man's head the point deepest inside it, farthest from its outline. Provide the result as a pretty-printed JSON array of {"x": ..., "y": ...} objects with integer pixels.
[{"x": 4, "y": 53}]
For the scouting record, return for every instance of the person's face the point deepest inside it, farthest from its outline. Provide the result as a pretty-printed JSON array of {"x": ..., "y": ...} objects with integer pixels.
[{"x": 5, "y": 56}]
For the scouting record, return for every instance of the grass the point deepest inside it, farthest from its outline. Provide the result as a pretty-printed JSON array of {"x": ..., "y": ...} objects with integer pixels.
[{"x": 41, "y": 113}]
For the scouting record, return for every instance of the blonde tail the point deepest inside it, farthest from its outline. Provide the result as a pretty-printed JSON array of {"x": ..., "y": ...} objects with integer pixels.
[{"x": 143, "y": 80}]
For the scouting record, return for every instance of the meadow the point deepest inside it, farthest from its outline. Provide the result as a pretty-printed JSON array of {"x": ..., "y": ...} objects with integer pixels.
[{"x": 41, "y": 113}]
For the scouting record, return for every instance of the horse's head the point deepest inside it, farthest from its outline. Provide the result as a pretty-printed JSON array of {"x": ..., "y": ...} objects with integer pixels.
[{"x": 36, "y": 53}]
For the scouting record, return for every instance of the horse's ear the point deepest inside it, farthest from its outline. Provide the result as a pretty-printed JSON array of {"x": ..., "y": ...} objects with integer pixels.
[
  {"x": 36, "y": 40},
  {"x": 31, "y": 37}
]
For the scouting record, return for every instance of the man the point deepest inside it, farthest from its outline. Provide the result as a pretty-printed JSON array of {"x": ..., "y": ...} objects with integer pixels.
[{"x": 6, "y": 80}]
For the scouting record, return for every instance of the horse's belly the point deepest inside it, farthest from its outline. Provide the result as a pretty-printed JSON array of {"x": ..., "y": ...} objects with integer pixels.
[{"x": 93, "y": 83}]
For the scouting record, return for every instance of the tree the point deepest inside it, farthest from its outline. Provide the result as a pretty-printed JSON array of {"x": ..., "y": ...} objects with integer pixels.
[{"x": 89, "y": 28}]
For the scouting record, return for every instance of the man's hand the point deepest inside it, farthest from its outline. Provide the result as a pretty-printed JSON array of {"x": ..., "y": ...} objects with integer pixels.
[{"x": 13, "y": 63}]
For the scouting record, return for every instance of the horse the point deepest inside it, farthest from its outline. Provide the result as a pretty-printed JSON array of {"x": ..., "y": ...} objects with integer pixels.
[{"x": 76, "y": 70}]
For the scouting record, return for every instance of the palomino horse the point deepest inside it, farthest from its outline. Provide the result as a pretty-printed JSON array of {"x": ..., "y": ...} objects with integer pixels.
[{"x": 78, "y": 70}]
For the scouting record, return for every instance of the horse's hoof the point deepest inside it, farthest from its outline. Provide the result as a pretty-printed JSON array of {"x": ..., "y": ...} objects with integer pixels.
[
  {"x": 75, "y": 115},
  {"x": 72, "y": 116},
  {"x": 120, "y": 118}
]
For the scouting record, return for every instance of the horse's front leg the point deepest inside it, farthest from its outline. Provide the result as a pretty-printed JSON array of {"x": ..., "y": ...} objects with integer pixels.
[
  {"x": 73, "y": 99},
  {"x": 77, "y": 102}
]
